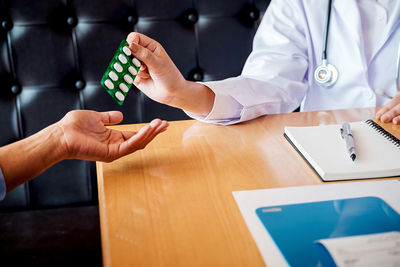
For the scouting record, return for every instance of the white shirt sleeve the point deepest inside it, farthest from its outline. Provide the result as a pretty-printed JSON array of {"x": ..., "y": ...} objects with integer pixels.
[
  {"x": 2, "y": 186},
  {"x": 226, "y": 110},
  {"x": 273, "y": 79}
]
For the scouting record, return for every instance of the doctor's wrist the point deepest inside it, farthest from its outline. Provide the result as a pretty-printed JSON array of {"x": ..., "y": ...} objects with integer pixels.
[{"x": 195, "y": 98}]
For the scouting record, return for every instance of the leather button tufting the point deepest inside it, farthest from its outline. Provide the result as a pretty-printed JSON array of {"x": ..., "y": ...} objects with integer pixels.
[
  {"x": 196, "y": 75},
  {"x": 252, "y": 13},
  {"x": 132, "y": 19},
  {"x": 6, "y": 25},
  {"x": 249, "y": 14},
  {"x": 15, "y": 89},
  {"x": 72, "y": 21},
  {"x": 190, "y": 16},
  {"x": 80, "y": 84}
]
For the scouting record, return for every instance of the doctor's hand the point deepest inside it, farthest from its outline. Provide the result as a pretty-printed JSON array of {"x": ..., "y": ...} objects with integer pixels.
[
  {"x": 390, "y": 112},
  {"x": 84, "y": 135},
  {"x": 161, "y": 80}
]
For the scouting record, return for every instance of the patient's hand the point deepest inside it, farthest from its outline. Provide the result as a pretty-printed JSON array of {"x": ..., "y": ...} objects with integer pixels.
[
  {"x": 84, "y": 135},
  {"x": 81, "y": 134}
]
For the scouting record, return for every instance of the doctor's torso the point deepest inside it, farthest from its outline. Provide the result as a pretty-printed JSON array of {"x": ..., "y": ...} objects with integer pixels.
[
  {"x": 362, "y": 72},
  {"x": 363, "y": 41}
]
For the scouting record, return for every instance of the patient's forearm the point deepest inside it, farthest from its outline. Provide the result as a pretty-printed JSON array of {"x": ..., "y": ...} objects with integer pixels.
[{"x": 27, "y": 158}]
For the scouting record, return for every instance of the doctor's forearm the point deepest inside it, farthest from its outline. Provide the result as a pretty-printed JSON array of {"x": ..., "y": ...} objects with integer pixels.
[{"x": 195, "y": 98}]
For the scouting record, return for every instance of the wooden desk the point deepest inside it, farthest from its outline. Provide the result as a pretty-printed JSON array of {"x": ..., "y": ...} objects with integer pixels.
[{"x": 171, "y": 204}]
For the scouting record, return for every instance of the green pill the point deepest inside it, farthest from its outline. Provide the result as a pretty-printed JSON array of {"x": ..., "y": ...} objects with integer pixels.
[{"x": 121, "y": 72}]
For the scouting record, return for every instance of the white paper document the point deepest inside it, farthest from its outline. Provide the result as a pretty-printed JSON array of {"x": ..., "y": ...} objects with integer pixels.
[
  {"x": 365, "y": 250},
  {"x": 250, "y": 200}
]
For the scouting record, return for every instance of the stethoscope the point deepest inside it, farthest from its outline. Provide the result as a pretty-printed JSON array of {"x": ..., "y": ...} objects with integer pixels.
[{"x": 326, "y": 74}]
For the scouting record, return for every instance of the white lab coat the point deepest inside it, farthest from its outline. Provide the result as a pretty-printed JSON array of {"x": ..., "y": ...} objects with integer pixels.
[{"x": 279, "y": 74}]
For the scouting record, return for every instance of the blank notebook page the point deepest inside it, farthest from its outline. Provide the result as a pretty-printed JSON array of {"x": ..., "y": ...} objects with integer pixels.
[{"x": 325, "y": 150}]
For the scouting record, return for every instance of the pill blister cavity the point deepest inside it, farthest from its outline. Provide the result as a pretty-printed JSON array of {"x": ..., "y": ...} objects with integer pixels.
[
  {"x": 119, "y": 96},
  {"x": 122, "y": 58},
  {"x": 132, "y": 70},
  {"x": 113, "y": 76},
  {"x": 109, "y": 84},
  {"x": 136, "y": 62},
  {"x": 127, "y": 51},
  {"x": 118, "y": 67},
  {"x": 123, "y": 87},
  {"x": 128, "y": 79}
]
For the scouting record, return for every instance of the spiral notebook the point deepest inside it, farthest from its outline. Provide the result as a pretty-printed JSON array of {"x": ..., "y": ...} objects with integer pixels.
[{"x": 322, "y": 147}]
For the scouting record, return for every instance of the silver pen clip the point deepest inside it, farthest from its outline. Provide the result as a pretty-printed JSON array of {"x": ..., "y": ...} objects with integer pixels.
[{"x": 346, "y": 134}]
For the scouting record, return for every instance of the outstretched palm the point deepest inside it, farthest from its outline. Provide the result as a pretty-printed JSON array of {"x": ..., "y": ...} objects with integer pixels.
[{"x": 86, "y": 137}]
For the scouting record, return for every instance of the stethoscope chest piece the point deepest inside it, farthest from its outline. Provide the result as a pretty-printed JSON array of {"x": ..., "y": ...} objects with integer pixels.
[{"x": 326, "y": 74}]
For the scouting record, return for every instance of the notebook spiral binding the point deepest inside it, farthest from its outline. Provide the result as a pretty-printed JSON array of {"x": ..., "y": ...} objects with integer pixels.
[{"x": 393, "y": 139}]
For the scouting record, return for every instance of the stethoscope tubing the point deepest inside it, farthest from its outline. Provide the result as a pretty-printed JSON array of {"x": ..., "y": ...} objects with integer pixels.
[
  {"x": 326, "y": 74},
  {"x": 326, "y": 34}
]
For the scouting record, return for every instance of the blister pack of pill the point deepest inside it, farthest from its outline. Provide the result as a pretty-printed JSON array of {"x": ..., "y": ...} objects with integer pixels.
[{"x": 121, "y": 72}]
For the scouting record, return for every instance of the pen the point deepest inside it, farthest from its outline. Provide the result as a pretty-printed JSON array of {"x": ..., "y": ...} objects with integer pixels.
[{"x": 346, "y": 134}]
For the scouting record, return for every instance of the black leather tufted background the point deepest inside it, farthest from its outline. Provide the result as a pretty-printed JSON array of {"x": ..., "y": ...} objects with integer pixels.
[{"x": 54, "y": 52}]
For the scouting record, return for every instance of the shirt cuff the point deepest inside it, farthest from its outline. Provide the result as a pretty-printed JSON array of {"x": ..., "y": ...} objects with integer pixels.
[
  {"x": 2, "y": 186},
  {"x": 226, "y": 110}
]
